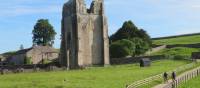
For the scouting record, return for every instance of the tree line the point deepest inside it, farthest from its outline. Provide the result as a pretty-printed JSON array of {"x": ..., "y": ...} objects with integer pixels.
[{"x": 129, "y": 40}]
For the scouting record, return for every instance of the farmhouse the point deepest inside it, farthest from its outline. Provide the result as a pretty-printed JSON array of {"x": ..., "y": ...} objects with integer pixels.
[
  {"x": 2, "y": 58},
  {"x": 34, "y": 55}
]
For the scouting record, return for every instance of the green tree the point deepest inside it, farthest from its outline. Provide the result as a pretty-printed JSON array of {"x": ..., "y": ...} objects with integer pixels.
[
  {"x": 140, "y": 38},
  {"x": 127, "y": 31},
  {"x": 141, "y": 46},
  {"x": 27, "y": 60},
  {"x": 121, "y": 48},
  {"x": 43, "y": 33},
  {"x": 143, "y": 35}
]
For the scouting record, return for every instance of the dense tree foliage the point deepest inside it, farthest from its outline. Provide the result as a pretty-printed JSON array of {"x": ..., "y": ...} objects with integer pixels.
[
  {"x": 43, "y": 33},
  {"x": 28, "y": 60},
  {"x": 141, "y": 46},
  {"x": 127, "y": 31},
  {"x": 145, "y": 37},
  {"x": 139, "y": 37},
  {"x": 121, "y": 48}
]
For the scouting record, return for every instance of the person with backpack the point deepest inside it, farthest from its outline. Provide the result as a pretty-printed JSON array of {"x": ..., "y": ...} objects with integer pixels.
[{"x": 165, "y": 77}]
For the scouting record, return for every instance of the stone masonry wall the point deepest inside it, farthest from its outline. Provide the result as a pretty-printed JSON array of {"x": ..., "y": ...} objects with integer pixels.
[{"x": 84, "y": 35}]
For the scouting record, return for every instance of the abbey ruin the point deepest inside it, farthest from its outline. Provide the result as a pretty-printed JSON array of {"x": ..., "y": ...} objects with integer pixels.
[{"x": 84, "y": 35}]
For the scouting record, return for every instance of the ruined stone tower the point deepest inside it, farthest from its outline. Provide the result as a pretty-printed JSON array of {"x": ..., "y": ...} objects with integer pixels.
[{"x": 84, "y": 35}]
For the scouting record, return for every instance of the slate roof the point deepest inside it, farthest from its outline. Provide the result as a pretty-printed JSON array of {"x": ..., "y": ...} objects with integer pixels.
[{"x": 40, "y": 48}]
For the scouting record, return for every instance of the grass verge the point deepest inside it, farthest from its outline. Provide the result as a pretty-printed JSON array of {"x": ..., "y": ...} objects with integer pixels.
[{"x": 97, "y": 77}]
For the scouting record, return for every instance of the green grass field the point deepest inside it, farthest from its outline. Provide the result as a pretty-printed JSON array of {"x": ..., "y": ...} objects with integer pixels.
[
  {"x": 182, "y": 51},
  {"x": 179, "y": 40},
  {"x": 96, "y": 77},
  {"x": 194, "y": 83}
]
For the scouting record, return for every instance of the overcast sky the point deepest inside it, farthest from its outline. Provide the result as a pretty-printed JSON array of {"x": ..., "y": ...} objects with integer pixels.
[{"x": 157, "y": 17}]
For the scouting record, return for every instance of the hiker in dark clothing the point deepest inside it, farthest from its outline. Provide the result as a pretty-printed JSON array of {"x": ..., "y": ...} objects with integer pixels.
[
  {"x": 174, "y": 79},
  {"x": 165, "y": 76},
  {"x": 173, "y": 76}
]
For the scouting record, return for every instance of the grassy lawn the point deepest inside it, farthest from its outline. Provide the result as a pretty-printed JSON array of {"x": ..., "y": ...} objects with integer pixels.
[
  {"x": 183, "y": 51},
  {"x": 97, "y": 77},
  {"x": 194, "y": 83},
  {"x": 179, "y": 40}
]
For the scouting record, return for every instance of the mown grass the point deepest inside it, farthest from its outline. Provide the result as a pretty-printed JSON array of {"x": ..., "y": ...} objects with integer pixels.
[
  {"x": 181, "y": 51},
  {"x": 193, "y": 83},
  {"x": 97, "y": 77},
  {"x": 179, "y": 40}
]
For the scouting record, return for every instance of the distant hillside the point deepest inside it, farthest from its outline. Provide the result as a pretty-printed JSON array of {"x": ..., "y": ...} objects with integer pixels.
[
  {"x": 175, "y": 36},
  {"x": 179, "y": 39},
  {"x": 182, "y": 45},
  {"x": 181, "y": 51}
]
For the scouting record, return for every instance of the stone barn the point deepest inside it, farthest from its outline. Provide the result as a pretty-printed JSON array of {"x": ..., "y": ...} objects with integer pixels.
[
  {"x": 145, "y": 62},
  {"x": 36, "y": 55},
  {"x": 196, "y": 55},
  {"x": 2, "y": 58},
  {"x": 84, "y": 35}
]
